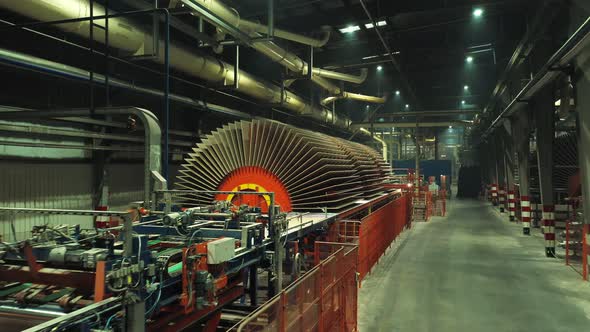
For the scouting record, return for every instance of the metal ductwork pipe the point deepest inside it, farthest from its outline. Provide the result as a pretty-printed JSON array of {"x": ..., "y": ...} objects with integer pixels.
[
  {"x": 125, "y": 35},
  {"x": 384, "y": 150},
  {"x": 340, "y": 76},
  {"x": 354, "y": 96},
  {"x": 251, "y": 27},
  {"x": 269, "y": 48}
]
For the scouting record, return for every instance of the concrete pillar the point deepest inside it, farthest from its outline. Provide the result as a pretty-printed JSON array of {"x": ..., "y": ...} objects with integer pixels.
[
  {"x": 501, "y": 171},
  {"x": 543, "y": 106},
  {"x": 436, "y": 137},
  {"x": 509, "y": 169},
  {"x": 582, "y": 87},
  {"x": 521, "y": 138}
]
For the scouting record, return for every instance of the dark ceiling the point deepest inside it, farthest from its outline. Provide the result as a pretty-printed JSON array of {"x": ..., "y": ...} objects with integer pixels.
[{"x": 430, "y": 38}]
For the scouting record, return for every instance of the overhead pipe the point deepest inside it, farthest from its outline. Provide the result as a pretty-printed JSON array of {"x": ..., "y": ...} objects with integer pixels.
[
  {"x": 354, "y": 96},
  {"x": 269, "y": 48},
  {"x": 287, "y": 35},
  {"x": 53, "y": 68},
  {"x": 126, "y": 36},
  {"x": 356, "y": 79}
]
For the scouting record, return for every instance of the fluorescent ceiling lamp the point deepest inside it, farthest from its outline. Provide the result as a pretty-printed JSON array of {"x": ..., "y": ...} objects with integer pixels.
[
  {"x": 379, "y": 24},
  {"x": 572, "y": 102},
  {"x": 478, "y": 12},
  {"x": 350, "y": 29},
  {"x": 378, "y": 56}
]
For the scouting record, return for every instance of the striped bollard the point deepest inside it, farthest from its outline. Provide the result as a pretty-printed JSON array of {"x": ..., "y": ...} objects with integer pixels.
[
  {"x": 525, "y": 205},
  {"x": 511, "y": 205},
  {"x": 494, "y": 194},
  {"x": 549, "y": 229},
  {"x": 502, "y": 199}
]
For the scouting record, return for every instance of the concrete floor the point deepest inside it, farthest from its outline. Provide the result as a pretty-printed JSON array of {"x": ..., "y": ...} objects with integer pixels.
[{"x": 472, "y": 271}]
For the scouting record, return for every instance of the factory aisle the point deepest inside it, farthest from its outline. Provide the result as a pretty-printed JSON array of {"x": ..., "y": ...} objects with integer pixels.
[{"x": 472, "y": 271}]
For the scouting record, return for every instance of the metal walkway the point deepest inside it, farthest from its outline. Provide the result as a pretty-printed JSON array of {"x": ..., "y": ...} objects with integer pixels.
[{"x": 472, "y": 271}]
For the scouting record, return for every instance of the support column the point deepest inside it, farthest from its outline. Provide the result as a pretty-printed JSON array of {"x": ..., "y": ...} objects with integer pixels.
[
  {"x": 521, "y": 138},
  {"x": 436, "y": 145},
  {"x": 582, "y": 86},
  {"x": 544, "y": 120},
  {"x": 501, "y": 171}
]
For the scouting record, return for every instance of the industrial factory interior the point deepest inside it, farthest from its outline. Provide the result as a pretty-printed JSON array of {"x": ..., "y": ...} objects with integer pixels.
[{"x": 294, "y": 165}]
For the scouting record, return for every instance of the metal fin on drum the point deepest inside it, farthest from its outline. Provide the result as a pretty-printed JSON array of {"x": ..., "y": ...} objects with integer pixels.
[{"x": 307, "y": 171}]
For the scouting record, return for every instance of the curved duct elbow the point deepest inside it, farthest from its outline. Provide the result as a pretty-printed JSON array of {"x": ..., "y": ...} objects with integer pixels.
[{"x": 384, "y": 150}]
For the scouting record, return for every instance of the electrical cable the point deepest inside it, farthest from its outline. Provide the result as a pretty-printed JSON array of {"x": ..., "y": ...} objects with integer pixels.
[
  {"x": 108, "y": 324},
  {"x": 190, "y": 241},
  {"x": 159, "y": 295}
]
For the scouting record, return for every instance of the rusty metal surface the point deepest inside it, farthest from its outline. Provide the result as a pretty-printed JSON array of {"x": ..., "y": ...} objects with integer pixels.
[{"x": 318, "y": 171}]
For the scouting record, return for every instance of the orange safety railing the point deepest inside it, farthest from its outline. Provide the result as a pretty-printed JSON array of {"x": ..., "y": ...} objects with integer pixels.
[
  {"x": 440, "y": 204},
  {"x": 324, "y": 299},
  {"x": 375, "y": 232},
  {"x": 378, "y": 230},
  {"x": 423, "y": 205},
  {"x": 576, "y": 247}
]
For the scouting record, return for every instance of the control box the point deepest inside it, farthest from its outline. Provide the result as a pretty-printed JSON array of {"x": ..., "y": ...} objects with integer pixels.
[{"x": 221, "y": 250}]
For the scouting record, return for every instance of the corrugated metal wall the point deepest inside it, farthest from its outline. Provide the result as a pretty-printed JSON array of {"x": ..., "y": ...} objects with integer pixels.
[
  {"x": 43, "y": 185},
  {"x": 62, "y": 185}
]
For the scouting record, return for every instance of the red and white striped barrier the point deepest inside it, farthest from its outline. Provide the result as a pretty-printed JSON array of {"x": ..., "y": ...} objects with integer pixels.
[
  {"x": 525, "y": 205},
  {"x": 502, "y": 199},
  {"x": 549, "y": 229},
  {"x": 494, "y": 194},
  {"x": 511, "y": 205}
]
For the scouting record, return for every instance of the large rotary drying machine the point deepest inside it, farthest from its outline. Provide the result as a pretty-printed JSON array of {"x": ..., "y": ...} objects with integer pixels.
[{"x": 307, "y": 171}]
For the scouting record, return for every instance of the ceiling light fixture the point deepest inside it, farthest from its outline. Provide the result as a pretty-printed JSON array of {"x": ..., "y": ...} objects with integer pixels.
[
  {"x": 477, "y": 12},
  {"x": 350, "y": 29},
  {"x": 407, "y": 106},
  {"x": 379, "y": 68},
  {"x": 469, "y": 59},
  {"x": 379, "y": 24},
  {"x": 397, "y": 92},
  {"x": 466, "y": 87}
]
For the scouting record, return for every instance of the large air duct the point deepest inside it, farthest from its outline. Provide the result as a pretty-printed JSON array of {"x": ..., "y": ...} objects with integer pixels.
[
  {"x": 128, "y": 37},
  {"x": 272, "y": 50}
]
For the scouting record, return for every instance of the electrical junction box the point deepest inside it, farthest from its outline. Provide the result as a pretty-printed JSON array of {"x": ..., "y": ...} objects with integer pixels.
[{"x": 221, "y": 250}]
